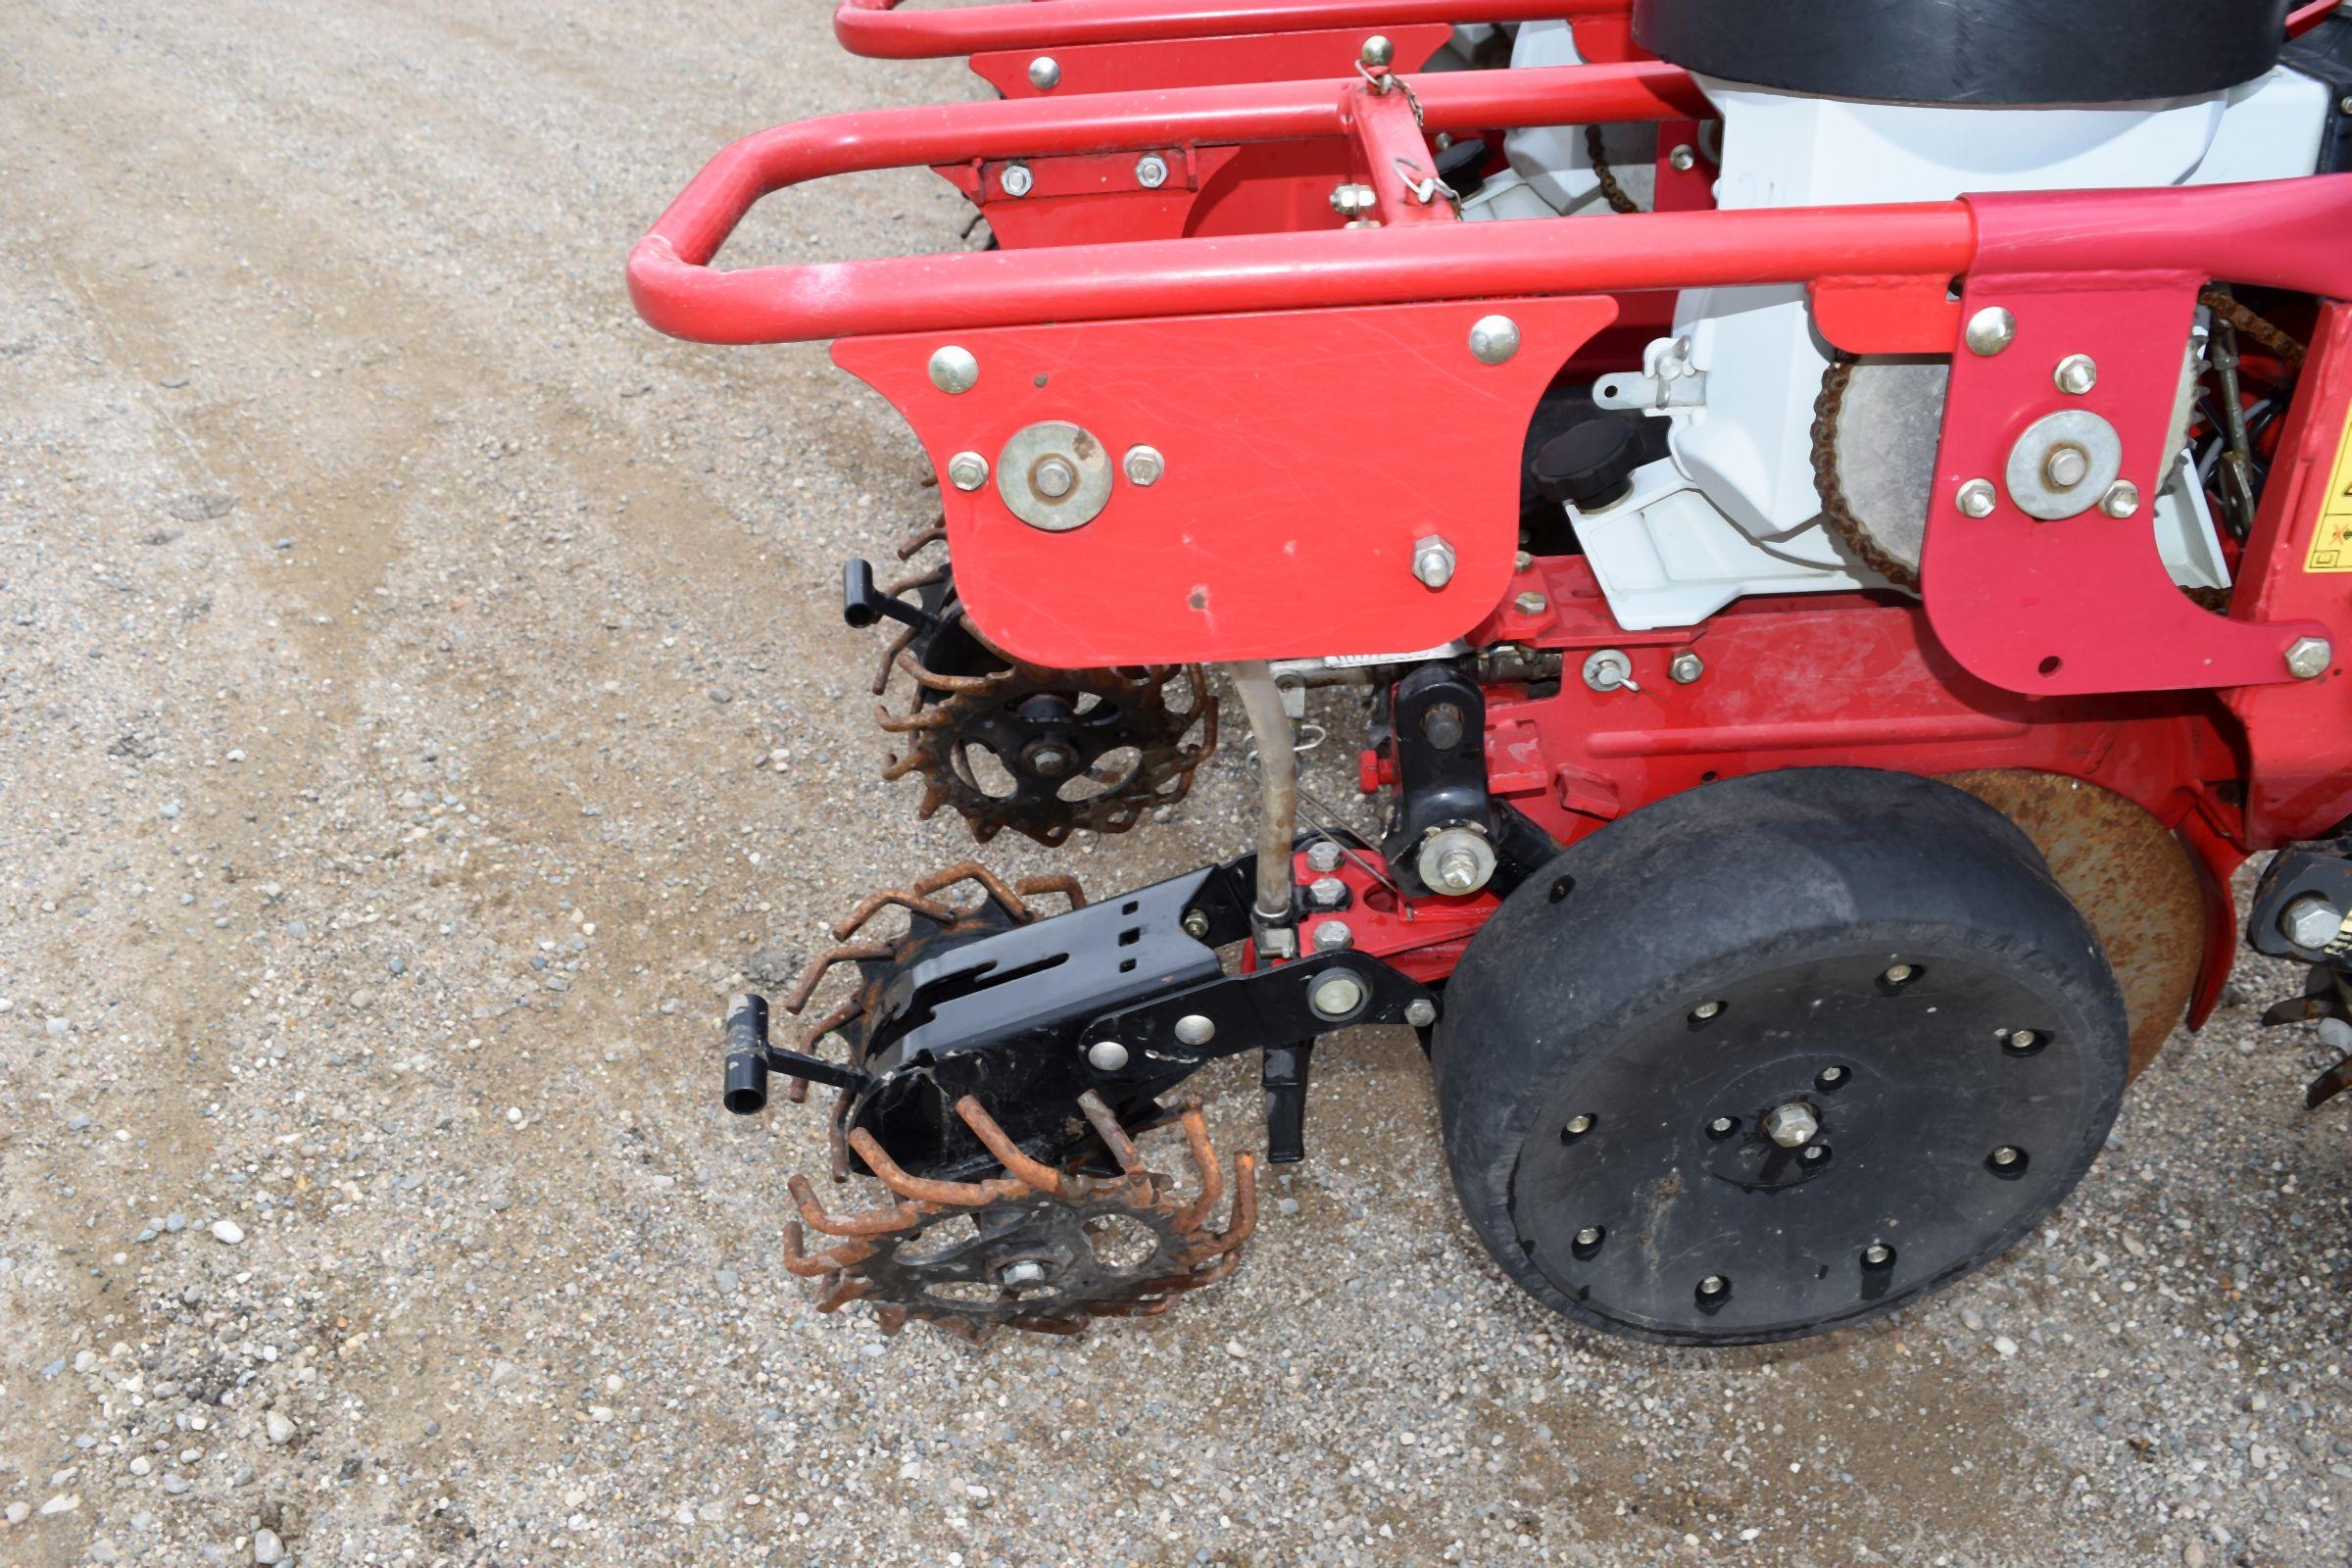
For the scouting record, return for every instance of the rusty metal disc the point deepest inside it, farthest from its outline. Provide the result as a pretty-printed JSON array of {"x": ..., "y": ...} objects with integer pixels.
[{"x": 2128, "y": 875}]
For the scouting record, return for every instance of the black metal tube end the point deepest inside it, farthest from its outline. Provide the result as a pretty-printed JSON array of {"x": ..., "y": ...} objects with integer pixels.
[{"x": 745, "y": 1092}]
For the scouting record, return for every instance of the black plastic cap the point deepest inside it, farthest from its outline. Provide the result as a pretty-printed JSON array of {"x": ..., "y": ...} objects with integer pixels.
[
  {"x": 1971, "y": 51},
  {"x": 1590, "y": 464}
]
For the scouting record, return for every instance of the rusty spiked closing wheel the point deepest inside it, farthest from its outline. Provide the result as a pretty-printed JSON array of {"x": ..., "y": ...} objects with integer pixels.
[{"x": 1776, "y": 1056}]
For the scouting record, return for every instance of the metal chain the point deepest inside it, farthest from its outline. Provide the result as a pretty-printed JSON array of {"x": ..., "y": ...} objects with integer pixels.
[{"x": 1619, "y": 201}]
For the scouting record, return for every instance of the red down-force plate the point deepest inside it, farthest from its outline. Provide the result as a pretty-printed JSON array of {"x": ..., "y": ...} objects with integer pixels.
[{"x": 1306, "y": 453}]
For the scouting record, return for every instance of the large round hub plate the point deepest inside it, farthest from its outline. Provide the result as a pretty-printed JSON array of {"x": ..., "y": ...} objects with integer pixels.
[
  {"x": 1053, "y": 475},
  {"x": 1802, "y": 1146}
]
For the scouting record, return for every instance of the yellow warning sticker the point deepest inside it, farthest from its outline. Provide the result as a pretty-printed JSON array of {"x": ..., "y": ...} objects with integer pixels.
[{"x": 2331, "y": 540}]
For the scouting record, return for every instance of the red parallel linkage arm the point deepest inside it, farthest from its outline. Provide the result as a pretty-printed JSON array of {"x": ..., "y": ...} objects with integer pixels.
[{"x": 878, "y": 29}]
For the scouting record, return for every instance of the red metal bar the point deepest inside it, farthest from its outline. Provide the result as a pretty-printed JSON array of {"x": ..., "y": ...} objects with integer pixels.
[
  {"x": 2303, "y": 19},
  {"x": 877, "y": 28}
]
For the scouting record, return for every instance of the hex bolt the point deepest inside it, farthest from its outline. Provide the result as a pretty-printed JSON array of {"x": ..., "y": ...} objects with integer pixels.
[
  {"x": 1045, "y": 73},
  {"x": 967, "y": 470},
  {"x": 2120, "y": 500},
  {"x": 2065, "y": 466},
  {"x": 1378, "y": 52},
  {"x": 1053, "y": 478},
  {"x": 1975, "y": 499},
  {"x": 1323, "y": 855},
  {"x": 1898, "y": 973},
  {"x": 1493, "y": 340},
  {"x": 1578, "y": 1126},
  {"x": 1143, "y": 465},
  {"x": 1353, "y": 200},
  {"x": 1877, "y": 1254},
  {"x": 1027, "y": 1271},
  {"x": 1458, "y": 870},
  {"x": 1150, "y": 171},
  {"x": 1590, "y": 1236},
  {"x": 1107, "y": 1056},
  {"x": 1686, "y": 668},
  {"x": 1420, "y": 1012},
  {"x": 2076, "y": 375},
  {"x": 1684, "y": 158},
  {"x": 1016, "y": 180},
  {"x": 1705, "y": 1011},
  {"x": 953, "y": 370},
  {"x": 1332, "y": 936},
  {"x": 1990, "y": 330},
  {"x": 1531, "y": 604},
  {"x": 2004, "y": 1155},
  {"x": 1195, "y": 924},
  {"x": 1336, "y": 995},
  {"x": 1792, "y": 1125},
  {"x": 2308, "y": 657},
  {"x": 2311, "y": 923},
  {"x": 1433, "y": 561},
  {"x": 1196, "y": 1029},
  {"x": 1327, "y": 893}
]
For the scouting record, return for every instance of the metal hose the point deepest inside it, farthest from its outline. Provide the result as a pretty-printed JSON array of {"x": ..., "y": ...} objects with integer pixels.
[{"x": 1278, "y": 791}]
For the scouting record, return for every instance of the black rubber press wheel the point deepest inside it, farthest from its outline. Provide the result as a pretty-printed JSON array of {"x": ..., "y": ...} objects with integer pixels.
[{"x": 1776, "y": 1056}]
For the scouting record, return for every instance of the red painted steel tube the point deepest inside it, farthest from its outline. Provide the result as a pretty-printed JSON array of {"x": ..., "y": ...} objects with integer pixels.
[
  {"x": 878, "y": 29},
  {"x": 2303, "y": 19}
]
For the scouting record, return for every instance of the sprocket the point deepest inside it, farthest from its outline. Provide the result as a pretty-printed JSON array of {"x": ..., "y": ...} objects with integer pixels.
[
  {"x": 1043, "y": 752},
  {"x": 1037, "y": 1249}
]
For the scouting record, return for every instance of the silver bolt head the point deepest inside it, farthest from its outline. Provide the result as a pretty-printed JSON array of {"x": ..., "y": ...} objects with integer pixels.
[
  {"x": 1028, "y": 1271},
  {"x": 2004, "y": 1155},
  {"x": 2065, "y": 466},
  {"x": 2120, "y": 500},
  {"x": 1195, "y": 924},
  {"x": 2076, "y": 375},
  {"x": 1590, "y": 1236},
  {"x": 967, "y": 470},
  {"x": 1107, "y": 1056},
  {"x": 1686, "y": 668},
  {"x": 2311, "y": 923},
  {"x": 1707, "y": 1009},
  {"x": 1150, "y": 171},
  {"x": 1458, "y": 871},
  {"x": 1683, "y": 159},
  {"x": 1899, "y": 973},
  {"x": 1531, "y": 604},
  {"x": 1378, "y": 51},
  {"x": 1792, "y": 1125},
  {"x": 1606, "y": 668},
  {"x": 1579, "y": 1125},
  {"x": 1493, "y": 340},
  {"x": 1722, "y": 1124},
  {"x": 1420, "y": 1012},
  {"x": 1877, "y": 1253},
  {"x": 1323, "y": 855},
  {"x": 1143, "y": 465},
  {"x": 2307, "y": 657},
  {"x": 1433, "y": 561},
  {"x": 1833, "y": 1075},
  {"x": 1332, "y": 936},
  {"x": 1196, "y": 1029},
  {"x": 1975, "y": 499},
  {"x": 1016, "y": 180},
  {"x": 1336, "y": 995},
  {"x": 953, "y": 370},
  {"x": 1990, "y": 330},
  {"x": 1353, "y": 200},
  {"x": 1053, "y": 478},
  {"x": 1327, "y": 893},
  {"x": 1045, "y": 73},
  {"x": 1712, "y": 1285},
  {"x": 1815, "y": 1150}
]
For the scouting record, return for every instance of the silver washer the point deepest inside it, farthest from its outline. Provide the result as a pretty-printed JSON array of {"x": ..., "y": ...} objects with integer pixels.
[
  {"x": 1032, "y": 467},
  {"x": 2030, "y": 487}
]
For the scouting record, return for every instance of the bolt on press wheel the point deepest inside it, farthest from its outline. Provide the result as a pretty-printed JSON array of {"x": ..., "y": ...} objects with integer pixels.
[{"x": 1776, "y": 1056}]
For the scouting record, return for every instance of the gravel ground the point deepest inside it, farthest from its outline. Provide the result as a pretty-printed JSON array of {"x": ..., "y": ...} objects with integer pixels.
[{"x": 422, "y": 696}]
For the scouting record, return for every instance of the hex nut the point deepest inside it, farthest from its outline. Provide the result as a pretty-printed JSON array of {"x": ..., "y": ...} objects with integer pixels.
[
  {"x": 1686, "y": 668},
  {"x": 1016, "y": 180},
  {"x": 1684, "y": 158},
  {"x": 2308, "y": 657},
  {"x": 1323, "y": 855},
  {"x": 2120, "y": 500},
  {"x": 1150, "y": 171},
  {"x": 1433, "y": 561},
  {"x": 967, "y": 470},
  {"x": 1975, "y": 499},
  {"x": 1332, "y": 936},
  {"x": 1531, "y": 604},
  {"x": 1143, "y": 465},
  {"x": 1327, "y": 893},
  {"x": 2076, "y": 375},
  {"x": 2311, "y": 923},
  {"x": 1420, "y": 1012},
  {"x": 1792, "y": 1125}
]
